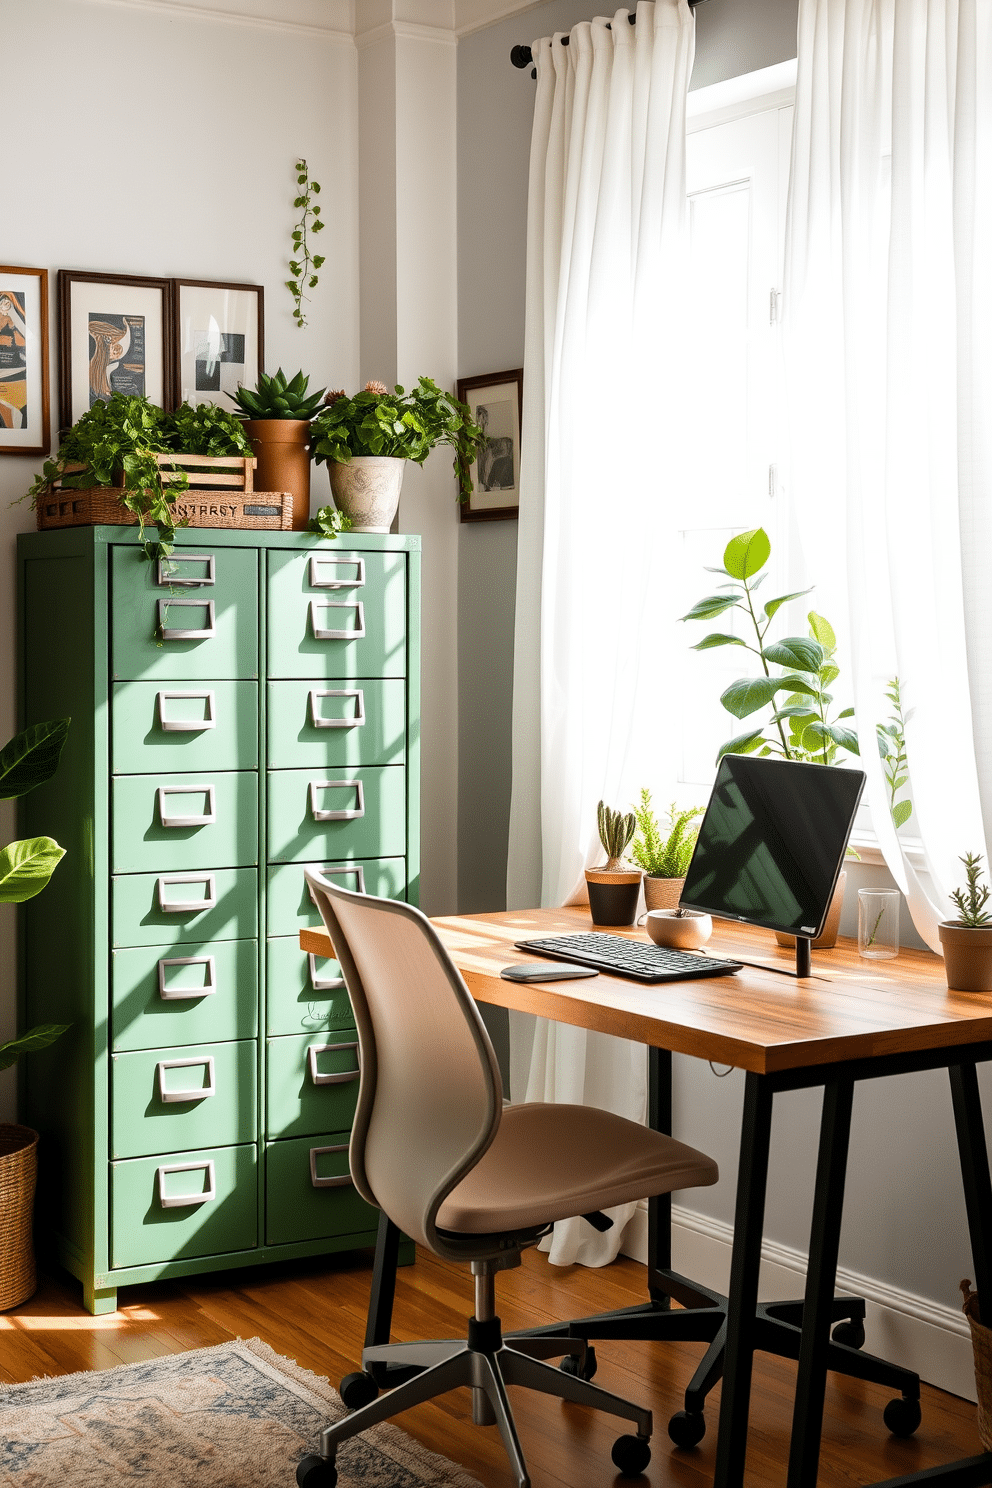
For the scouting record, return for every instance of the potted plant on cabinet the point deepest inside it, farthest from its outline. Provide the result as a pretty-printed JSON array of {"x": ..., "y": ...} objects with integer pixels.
[
  {"x": 366, "y": 440},
  {"x": 25, "y": 868},
  {"x": 967, "y": 941},
  {"x": 613, "y": 889},
  {"x": 277, "y": 415}
]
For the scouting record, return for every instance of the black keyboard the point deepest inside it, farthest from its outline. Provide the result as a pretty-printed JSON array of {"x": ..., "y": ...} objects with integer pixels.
[{"x": 629, "y": 958}]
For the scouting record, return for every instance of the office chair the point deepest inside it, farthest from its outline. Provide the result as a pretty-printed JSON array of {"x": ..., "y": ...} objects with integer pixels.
[{"x": 434, "y": 1148}]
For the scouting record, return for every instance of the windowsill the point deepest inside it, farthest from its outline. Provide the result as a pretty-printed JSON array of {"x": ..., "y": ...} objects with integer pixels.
[{"x": 866, "y": 846}]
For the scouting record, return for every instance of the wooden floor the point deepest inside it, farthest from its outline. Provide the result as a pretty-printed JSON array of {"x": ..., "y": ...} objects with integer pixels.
[{"x": 314, "y": 1312}]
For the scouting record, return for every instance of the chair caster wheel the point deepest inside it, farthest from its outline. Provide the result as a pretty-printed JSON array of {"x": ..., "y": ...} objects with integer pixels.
[
  {"x": 572, "y": 1365},
  {"x": 687, "y": 1428},
  {"x": 902, "y": 1416},
  {"x": 316, "y": 1472},
  {"x": 631, "y": 1455},
  {"x": 851, "y": 1333},
  {"x": 357, "y": 1390}
]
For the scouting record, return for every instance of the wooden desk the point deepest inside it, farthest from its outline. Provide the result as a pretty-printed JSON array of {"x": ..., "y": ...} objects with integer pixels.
[{"x": 851, "y": 1020}]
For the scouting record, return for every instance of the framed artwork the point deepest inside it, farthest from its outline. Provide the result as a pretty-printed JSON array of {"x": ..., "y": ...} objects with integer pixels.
[
  {"x": 24, "y": 428},
  {"x": 115, "y": 336},
  {"x": 496, "y": 403},
  {"x": 219, "y": 340}
]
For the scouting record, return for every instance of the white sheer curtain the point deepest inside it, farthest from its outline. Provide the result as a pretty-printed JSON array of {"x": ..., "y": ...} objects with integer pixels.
[
  {"x": 888, "y": 340},
  {"x": 605, "y": 295}
]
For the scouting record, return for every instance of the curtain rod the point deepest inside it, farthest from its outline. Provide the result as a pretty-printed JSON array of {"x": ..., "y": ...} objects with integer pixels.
[{"x": 523, "y": 56}]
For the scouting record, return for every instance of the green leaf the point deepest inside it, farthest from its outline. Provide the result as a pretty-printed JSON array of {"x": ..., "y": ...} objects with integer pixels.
[
  {"x": 743, "y": 744},
  {"x": 822, "y": 631},
  {"x": 901, "y": 812},
  {"x": 847, "y": 713},
  {"x": 749, "y": 694},
  {"x": 793, "y": 710},
  {"x": 746, "y": 553},
  {"x": 795, "y": 651},
  {"x": 829, "y": 673},
  {"x": 774, "y": 605},
  {"x": 712, "y": 605},
  {"x": 717, "y": 638},
  {"x": 844, "y": 738},
  {"x": 318, "y": 260},
  {"x": 31, "y": 758},
  {"x": 38, "y": 1037},
  {"x": 26, "y": 867}
]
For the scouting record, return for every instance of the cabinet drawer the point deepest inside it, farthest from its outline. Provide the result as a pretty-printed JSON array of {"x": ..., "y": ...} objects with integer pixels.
[
  {"x": 311, "y": 1083},
  {"x": 197, "y": 622},
  {"x": 363, "y": 723},
  {"x": 157, "y": 727},
  {"x": 173, "y": 823},
  {"x": 211, "y": 1208},
  {"x": 207, "y": 994},
  {"x": 201, "y": 1096},
  {"x": 337, "y": 614},
  {"x": 344, "y": 813},
  {"x": 309, "y": 1194},
  {"x": 159, "y": 909},
  {"x": 303, "y": 993},
  {"x": 290, "y": 909}
]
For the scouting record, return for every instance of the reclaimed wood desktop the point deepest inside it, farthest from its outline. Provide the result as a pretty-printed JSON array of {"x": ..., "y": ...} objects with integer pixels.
[{"x": 850, "y": 1020}]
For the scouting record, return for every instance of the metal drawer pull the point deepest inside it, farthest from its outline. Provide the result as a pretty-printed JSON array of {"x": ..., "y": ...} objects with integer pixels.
[
  {"x": 335, "y": 604},
  {"x": 316, "y": 582},
  {"x": 180, "y": 633},
  {"x": 341, "y": 1078},
  {"x": 185, "y": 906},
  {"x": 186, "y": 994},
  {"x": 342, "y": 1180},
  {"x": 169, "y": 580},
  {"x": 342, "y": 692},
  {"x": 200, "y": 1093},
  {"x": 204, "y": 820},
  {"x": 351, "y": 815},
  {"x": 322, "y": 984},
  {"x": 183, "y": 1201},
  {"x": 357, "y": 873},
  {"x": 187, "y": 725}
]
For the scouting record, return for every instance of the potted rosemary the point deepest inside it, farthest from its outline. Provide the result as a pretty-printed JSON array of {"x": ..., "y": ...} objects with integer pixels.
[
  {"x": 967, "y": 941},
  {"x": 613, "y": 889}
]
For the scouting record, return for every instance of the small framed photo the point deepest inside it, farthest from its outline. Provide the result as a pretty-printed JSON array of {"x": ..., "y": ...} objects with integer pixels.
[
  {"x": 219, "y": 340},
  {"x": 496, "y": 403},
  {"x": 24, "y": 428},
  {"x": 115, "y": 336}
]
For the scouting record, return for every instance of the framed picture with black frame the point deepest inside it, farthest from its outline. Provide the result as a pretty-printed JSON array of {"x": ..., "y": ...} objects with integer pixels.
[
  {"x": 496, "y": 402},
  {"x": 219, "y": 337},
  {"x": 115, "y": 336},
  {"x": 24, "y": 421}
]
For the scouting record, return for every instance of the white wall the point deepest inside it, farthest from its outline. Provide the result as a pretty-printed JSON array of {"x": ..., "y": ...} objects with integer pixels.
[{"x": 152, "y": 140}]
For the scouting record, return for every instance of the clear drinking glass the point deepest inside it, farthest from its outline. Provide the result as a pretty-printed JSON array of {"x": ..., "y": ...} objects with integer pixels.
[{"x": 878, "y": 923}]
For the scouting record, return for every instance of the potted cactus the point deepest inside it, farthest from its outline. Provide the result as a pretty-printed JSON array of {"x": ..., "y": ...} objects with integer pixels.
[
  {"x": 277, "y": 416},
  {"x": 967, "y": 941},
  {"x": 613, "y": 889}
]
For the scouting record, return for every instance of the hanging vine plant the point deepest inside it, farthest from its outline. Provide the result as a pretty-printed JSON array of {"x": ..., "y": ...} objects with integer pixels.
[{"x": 303, "y": 265}]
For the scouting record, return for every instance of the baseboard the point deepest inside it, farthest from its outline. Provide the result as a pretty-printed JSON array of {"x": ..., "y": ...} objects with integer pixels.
[{"x": 922, "y": 1335}]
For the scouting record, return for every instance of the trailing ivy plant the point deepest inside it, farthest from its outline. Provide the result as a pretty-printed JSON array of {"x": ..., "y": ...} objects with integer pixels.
[
  {"x": 329, "y": 522},
  {"x": 800, "y": 667},
  {"x": 303, "y": 266}
]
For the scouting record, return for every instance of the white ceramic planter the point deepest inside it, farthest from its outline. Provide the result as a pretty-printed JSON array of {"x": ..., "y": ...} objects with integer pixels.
[
  {"x": 686, "y": 932},
  {"x": 367, "y": 490}
]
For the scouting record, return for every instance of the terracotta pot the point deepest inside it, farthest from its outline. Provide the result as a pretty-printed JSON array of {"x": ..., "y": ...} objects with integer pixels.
[
  {"x": 967, "y": 956},
  {"x": 613, "y": 895},
  {"x": 662, "y": 893},
  {"x": 828, "y": 939},
  {"x": 18, "y": 1171},
  {"x": 367, "y": 490},
  {"x": 686, "y": 932},
  {"x": 282, "y": 449}
]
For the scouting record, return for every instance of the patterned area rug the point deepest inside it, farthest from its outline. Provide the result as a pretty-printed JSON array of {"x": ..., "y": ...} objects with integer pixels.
[{"x": 235, "y": 1416}]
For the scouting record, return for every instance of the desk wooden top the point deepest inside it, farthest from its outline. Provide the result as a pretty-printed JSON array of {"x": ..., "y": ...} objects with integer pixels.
[{"x": 757, "y": 1020}]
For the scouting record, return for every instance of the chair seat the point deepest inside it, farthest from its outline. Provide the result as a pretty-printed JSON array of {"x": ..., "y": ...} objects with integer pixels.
[{"x": 551, "y": 1162}]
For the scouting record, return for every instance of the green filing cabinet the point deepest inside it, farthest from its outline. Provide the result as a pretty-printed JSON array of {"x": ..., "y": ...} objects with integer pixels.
[{"x": 252, "y": 712}]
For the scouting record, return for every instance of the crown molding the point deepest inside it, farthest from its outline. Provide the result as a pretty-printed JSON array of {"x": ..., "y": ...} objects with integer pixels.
[
  {"x": 408, "y": 30},
  {"x": 331, "y": 20},
  {"x": 476, "y": 15}
]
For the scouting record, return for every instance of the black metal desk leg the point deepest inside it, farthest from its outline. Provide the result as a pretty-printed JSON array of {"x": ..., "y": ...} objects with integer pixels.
[
  {"x": 824, "y": 1242},
  {"x": 974, "y": 1171},
  {"x": 749, "y": 1215},
  {"x": 659, "y": 1207}
]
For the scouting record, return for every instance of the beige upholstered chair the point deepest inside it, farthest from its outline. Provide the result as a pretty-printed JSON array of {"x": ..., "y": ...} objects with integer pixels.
[{"x": 433, "y": 1146}]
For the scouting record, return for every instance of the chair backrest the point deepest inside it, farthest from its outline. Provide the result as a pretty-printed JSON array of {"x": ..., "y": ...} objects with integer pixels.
[{"x": 430, "y": 1099}]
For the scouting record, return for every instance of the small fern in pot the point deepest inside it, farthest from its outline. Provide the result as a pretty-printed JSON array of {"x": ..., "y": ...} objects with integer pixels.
[
  {"x": 664, "y": 851},
  {"x": 613, "y": 889}
]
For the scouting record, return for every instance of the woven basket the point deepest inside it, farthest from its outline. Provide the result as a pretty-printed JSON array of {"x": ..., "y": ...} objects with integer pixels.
[
  {"x": 220, "y": 494},
  {"x": 662, "y": 893},
  {"x": 18, "y": 1170},
  {"x": 981, "y": 1342}
]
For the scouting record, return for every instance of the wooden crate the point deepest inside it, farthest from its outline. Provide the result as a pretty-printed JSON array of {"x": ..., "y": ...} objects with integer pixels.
[{"x": 220, "y": 494}]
